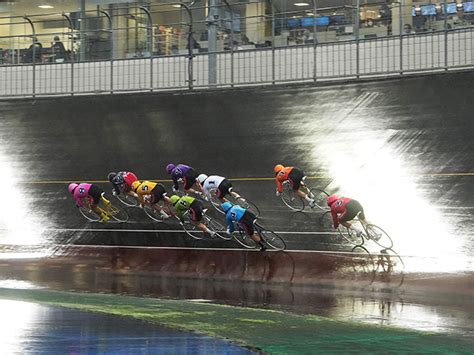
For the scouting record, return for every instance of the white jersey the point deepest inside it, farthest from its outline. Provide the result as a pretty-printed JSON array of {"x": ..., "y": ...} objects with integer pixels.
[{"x": 211, "y": 183}]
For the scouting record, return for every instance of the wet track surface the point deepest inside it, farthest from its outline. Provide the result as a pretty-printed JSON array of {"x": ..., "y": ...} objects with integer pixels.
[{"x": 403, "y": 148}]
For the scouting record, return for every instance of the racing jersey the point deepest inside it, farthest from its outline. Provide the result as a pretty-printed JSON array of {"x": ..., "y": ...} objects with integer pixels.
[
  {"x": 211, "y": 183},
  {"x": 282, "y": 176},
  {"x": 144, "y": 188},
  {"x": 81, "y": 191},
  {"x": 235, "y": 214},
  {"x": 128, "y": 178},
  {"x": 339, "y": 210},
  {"x": 183, "y": 205},
  {"x": 178, "y": 173}
]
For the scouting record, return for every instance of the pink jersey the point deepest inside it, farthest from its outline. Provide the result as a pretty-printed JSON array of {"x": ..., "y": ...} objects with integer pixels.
[
  {"x": 81, "y": 191},
  {"x": 339, "y": 210}
]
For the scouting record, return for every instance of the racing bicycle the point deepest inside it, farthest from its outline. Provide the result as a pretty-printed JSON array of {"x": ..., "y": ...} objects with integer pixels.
[
  {"x": 113, "y": 212},
  {"x": 366, "y": 231},
  {"x": 194, "y": 232},
  {"x": 269, "y": 237},
  {"x": 291, "y": 199}
]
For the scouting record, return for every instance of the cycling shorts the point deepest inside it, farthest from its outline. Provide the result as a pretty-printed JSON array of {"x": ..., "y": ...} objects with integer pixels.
[
  {"x": 157, "y": 193},
  {"x": 295, "y": 177},
  {"x": 96, "y": 193},
  {"x": 189, "y": 179},
  {"x": 195, "y": 209},
  {"x": 353, "y": 208},
  {"x": 246, "y": 222},
  {"x": 224, "y": 188}
]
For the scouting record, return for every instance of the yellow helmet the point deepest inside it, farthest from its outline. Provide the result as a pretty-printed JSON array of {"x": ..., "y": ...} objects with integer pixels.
[{"x": 135, "y": 185}]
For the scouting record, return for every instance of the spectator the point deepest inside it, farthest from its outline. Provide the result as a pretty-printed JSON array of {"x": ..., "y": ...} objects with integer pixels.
[
  {"x": 33, "y": 53},
  {"x": 58, "y": 50}
]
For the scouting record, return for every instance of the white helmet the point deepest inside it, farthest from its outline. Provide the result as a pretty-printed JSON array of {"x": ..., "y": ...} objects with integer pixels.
[{"x": 201, "y": 178}]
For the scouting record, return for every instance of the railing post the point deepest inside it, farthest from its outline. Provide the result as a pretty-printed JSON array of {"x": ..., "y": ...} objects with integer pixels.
[
  {"x": 232, "y": 43},
  {"x": 315, "y": 42},
  {"x": 33, "y": 55},
  {"x": 273, "y": 43},
  {"x": 400, "y": 27},
  {"x": 71, "y": 34},
  {"x": 445, "y": 35},
  {"x": 357, "y": 25}
]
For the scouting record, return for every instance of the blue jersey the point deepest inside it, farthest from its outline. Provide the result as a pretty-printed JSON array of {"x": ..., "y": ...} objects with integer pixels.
[{"x": 235, "y": 214}]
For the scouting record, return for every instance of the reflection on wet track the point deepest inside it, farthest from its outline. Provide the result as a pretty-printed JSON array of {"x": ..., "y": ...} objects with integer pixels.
[{"x": 403, "y": 148}]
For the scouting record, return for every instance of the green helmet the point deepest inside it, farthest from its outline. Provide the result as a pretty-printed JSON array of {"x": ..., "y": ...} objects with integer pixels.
[{"x": 174, "y": 199}]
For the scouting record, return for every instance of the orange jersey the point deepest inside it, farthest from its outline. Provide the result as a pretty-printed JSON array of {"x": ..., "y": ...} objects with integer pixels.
[{"x": 282, "y": 176}]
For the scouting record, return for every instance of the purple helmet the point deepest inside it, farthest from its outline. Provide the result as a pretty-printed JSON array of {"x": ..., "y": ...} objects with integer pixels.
[
  {"x": 72, "y": 187},
  {"x": 170, "y": 167}
]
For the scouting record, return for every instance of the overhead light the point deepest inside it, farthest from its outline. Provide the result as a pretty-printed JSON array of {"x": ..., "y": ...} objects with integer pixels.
[
  {"x": 301, "y": 4},
  {"x": 309, "y": 14},
  {"x": 45, "y": 6},
  {"x": 176, "y": 5}
]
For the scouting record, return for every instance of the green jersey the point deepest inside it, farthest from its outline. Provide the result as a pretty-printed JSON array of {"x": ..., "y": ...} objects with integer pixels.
[{"x": 183, "y": 205}]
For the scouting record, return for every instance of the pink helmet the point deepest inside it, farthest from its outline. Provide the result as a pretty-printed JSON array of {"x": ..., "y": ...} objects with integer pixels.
[
  {"x": 72, "y": 187},
  {"x": 332, "y": 199}
]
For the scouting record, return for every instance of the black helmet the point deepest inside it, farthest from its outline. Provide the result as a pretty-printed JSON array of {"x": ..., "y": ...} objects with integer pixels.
[{"x": 111, "y": 176}]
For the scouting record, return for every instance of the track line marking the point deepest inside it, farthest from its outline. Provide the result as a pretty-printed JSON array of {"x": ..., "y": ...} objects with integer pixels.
[{"x": 320, "y": 177}]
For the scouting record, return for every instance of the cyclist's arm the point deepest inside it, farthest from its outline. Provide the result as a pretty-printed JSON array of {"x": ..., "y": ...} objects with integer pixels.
[
  {"x": 279, "y": 185},
  {"x": 79, "y": 202},
  {"x": 175, "y": 181},
  {"x": 116, "y": 189}
]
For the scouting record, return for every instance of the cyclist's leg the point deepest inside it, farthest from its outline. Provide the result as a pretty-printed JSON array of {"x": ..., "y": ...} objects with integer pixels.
[
  {"x": 195, "y": 209},
  {"x": 353, "y": 209},
  {"x": 189, "y": 181}
]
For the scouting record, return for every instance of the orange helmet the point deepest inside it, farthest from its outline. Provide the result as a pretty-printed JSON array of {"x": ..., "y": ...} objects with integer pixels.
[{"x": 278, "y": 168}]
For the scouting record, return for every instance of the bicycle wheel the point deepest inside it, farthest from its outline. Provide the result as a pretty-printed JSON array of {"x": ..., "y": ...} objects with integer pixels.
[
  {"x": 248, "y": 205},
  {"x": 320, "y": 198},
  {"x": 89, "y": 214},
  {"x": 326, "y": 222},
  {"x": 291, "y": 199},
  {"x": 389, "y": 261},
  {"x": 378, "y": 236},
  {"x": 117, "y": 213},
  {"x": 191, "y": 229},
  {"x": 215, "y": 226},
  {"x": 351, "y": 236},
  {"x": 271, "y": 238},
  {"x": 215, "y": 202},
  {"x": 244, "y": 240},
  {"x": 128, "y": 200},
  {"x": 362, "y": 260},
  {"x": 153, "y": 213}
]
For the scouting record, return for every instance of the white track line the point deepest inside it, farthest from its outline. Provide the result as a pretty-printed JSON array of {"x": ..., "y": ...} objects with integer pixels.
[{"x": 154, "y": 231}]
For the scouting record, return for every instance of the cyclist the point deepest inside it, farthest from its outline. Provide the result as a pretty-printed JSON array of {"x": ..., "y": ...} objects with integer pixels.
[
  {"x": 121, "y": 181},
  {"x": 244, "y": 218},
  {"x": 94, "y": 193},
  {"x": 151, "y": 193},
  {"x": 345, "y": 209},
  {"x": 184, "y": 173},
  {"x": 195, "y": 208},
  {"x": 216, "y": 183},
  {"x": 296, "y": 178}
]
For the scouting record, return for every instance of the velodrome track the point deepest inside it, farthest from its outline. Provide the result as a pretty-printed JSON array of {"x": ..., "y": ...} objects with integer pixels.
[{"x": 401, "y": 147}]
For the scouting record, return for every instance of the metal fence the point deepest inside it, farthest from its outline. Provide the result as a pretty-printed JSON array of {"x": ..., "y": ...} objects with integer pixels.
[{"x": 123, "y": 49}]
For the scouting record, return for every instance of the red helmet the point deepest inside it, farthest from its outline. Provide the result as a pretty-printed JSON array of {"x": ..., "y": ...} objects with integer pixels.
[
  {"x": 332, "y": 199},
  {"x": 72, "y": 187},
  {"x": 278, "y": 168}
]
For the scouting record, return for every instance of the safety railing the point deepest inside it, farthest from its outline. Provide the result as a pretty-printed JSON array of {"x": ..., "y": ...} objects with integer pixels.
[{"x": 184, "y": 46}]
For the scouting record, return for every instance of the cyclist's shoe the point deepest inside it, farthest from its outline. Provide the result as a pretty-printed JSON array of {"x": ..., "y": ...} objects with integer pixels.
[
  {"x": 262, "y": 247},
  {"x": 375, "y": 236},
  {"x": 312, "y": 204},
  {"x": 212, "y": 234}
]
